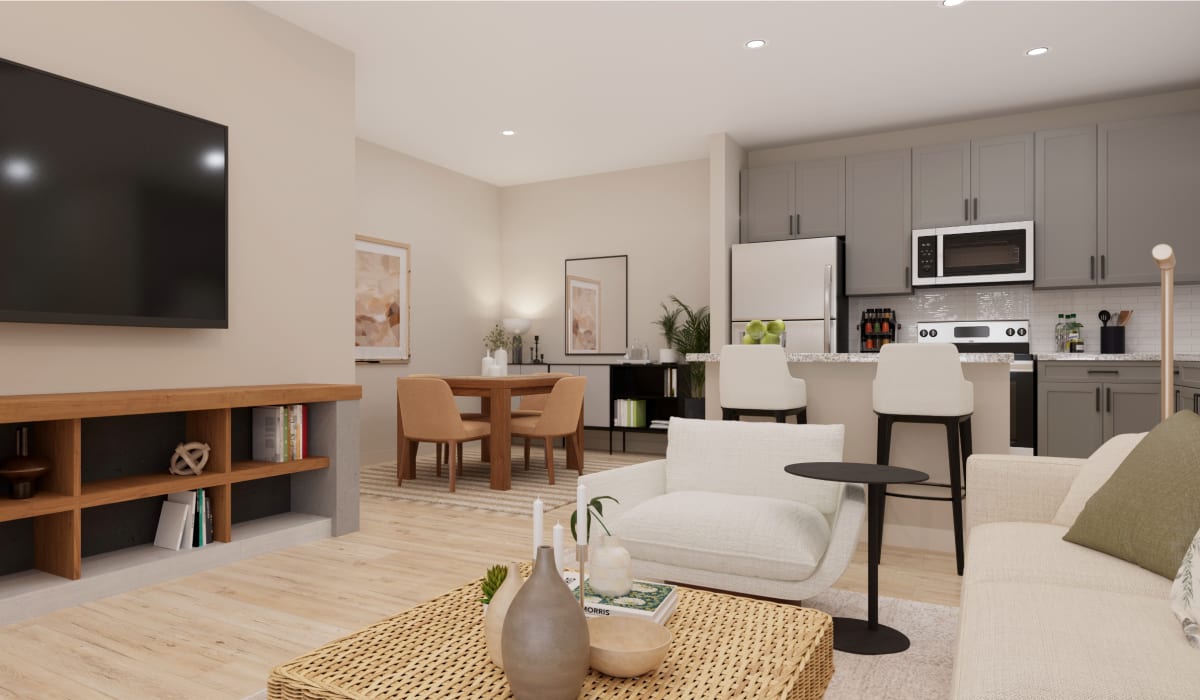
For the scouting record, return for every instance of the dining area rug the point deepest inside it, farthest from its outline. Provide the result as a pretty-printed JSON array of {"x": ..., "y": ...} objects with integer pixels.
[{"x": 473, "y": 487}]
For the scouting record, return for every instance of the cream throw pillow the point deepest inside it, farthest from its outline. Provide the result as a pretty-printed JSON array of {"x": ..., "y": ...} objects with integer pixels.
[
  {"x": 1185, "y": 602},
  {"x": 1092, "y": 475}
]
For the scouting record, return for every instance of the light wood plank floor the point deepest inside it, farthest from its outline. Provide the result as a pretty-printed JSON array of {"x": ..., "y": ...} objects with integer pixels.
[{"x": 217, "y": 634}]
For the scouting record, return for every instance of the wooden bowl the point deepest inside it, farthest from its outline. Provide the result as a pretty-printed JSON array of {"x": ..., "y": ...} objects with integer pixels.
[{"x": 625, "y": 647}]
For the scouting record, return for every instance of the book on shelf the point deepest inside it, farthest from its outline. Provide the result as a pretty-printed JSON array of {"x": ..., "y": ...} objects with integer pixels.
[
  {"x": 629, "y": 413},
  {"x": 279, "y": 433},
  {"x": 660, "y": 424},
  {"x": 187, "y": 498},
  {"x": 670, "y": 384},
  {"x": 172, "y": 522},
  {"x": 649, "y": 600},
  {"x": 201, "y": 517}
]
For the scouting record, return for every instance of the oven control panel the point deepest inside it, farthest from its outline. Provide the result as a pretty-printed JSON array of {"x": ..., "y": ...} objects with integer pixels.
[{"x": 973, "y": 332}]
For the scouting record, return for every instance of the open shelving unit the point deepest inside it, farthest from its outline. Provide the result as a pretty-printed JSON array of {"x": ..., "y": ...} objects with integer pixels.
[
  {"x": 96, "y": 510},
  {"x": 649, "y": 383}
]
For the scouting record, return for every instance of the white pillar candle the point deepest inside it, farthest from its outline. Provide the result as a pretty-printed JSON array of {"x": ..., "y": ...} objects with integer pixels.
[
  {"x": 538, "y": 510},
  {"x": 581, "y": 515},
  {"x": 485, "y": 368},
  {"x": 558, "y": 547}
]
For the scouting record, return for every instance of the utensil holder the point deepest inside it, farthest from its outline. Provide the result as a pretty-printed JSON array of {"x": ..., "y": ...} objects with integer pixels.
[{"x": 1112, "y": 340}]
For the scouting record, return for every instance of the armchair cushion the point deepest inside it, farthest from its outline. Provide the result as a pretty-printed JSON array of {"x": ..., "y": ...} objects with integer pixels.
[
  {"x": 773, "y": 538},
  {"x": 747, "y": 459}
]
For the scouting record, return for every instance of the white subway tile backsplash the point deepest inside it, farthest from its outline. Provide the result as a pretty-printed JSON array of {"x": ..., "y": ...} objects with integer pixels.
[{"x": 1042, "y": 307}]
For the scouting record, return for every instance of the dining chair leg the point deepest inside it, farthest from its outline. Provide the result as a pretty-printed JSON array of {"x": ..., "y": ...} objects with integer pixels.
[
  {"x": 452, "y": 452},
  {"x": 573, "y": 443},
  {"x": 526, "y": 454},
  {"x": 550, "y": 459},
  {"x": 438, "y": 453},
  {"x": 438, "y": 446}
]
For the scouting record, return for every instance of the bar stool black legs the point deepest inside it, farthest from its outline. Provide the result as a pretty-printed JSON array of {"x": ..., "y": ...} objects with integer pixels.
[
  {"x": 958, "y": 449},
  {"x": 801, "y": 413}
]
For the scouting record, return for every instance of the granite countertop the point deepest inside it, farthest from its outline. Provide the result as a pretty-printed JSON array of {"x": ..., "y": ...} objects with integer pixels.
[
  {"x": 862, "y": 357},
  {"x": 1123, "y": 357}
]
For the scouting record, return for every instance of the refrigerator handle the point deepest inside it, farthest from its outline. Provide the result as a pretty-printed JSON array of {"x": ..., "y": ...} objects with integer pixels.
[{"x": 828, "y": 301}]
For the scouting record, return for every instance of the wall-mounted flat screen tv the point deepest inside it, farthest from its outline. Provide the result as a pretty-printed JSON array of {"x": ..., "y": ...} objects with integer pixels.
[{"x": 113, "y": 211}]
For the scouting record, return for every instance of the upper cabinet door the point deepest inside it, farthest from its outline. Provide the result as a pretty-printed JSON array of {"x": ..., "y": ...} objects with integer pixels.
[
  {"x": 821, "y": 198},
  {"x": 1064, "y": 222},
  {"x": 1002, "y": 179},
  {"x": 879, "y": 223},
  {"x": 941, "y": 185},
  {"x": 1149, "y": 174},
  {"x": 768, "y": 203}
]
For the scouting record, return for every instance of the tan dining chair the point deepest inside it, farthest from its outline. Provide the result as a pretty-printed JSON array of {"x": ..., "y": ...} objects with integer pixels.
[
  {"x": 534, "y": 404},
  {"x": 429, "y": 414},
  {"x": 560, "y": 418},
  {"x": 440, "y": 456}
]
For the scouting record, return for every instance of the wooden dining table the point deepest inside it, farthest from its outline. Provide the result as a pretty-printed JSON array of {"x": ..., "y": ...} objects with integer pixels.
[{"x": 495, "y": 395}]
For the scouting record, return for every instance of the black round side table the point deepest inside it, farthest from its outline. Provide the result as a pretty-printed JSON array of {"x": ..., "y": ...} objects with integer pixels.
[{"x": 849, "y": 634}]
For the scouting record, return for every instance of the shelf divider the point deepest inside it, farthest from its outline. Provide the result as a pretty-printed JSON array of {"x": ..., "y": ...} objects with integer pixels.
[{"x": 56, "y": 544}]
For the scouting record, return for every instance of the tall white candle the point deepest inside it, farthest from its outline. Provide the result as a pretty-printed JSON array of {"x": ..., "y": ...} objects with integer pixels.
[
  {"x": 581, "y": 515},
  {"x": 558, "y": 547},
  {"x": 538, "y": 510}
]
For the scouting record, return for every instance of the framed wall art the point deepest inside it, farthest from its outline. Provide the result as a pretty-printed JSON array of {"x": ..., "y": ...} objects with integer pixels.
[
  {"x": 382, "y": 306},
  {"x": 596, "y": 305}
]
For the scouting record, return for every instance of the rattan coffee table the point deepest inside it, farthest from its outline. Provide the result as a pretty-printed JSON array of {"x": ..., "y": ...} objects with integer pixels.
[{"x": 724, "y": 647}]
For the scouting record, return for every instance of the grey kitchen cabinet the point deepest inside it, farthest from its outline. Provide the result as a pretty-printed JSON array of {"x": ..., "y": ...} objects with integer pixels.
[
  {"x": 806, "y": 199},
  {"x": 879, "y": 223},
  {"x": 1187, "y": 387},
  {"x": 1064, "y": 220},
  {"x": 977, "y": 182},
  {"x": 1083, "y": 404},
  {"x": 1149, "y": 192}
]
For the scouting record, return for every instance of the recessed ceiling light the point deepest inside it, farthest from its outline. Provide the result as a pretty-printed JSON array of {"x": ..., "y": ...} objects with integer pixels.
[
  {"x": 1038, "y": 51},
  {"x": 508, "y": 132},
  {"x": 756, "y": 43},
  {"x": 952, "y": 3}
]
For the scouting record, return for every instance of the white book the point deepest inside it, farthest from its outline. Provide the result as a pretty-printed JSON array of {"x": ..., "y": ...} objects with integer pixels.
[
  {"x": 267, "y": 434},
  {"x": 171, "y": 523},
  {"x": 187, "y": 498}
]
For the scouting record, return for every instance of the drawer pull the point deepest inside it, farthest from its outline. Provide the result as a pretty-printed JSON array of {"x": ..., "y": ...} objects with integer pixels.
[{"x": 1104, "y": 371}]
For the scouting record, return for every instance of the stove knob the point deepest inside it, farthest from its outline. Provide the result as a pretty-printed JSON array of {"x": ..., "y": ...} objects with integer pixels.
[
  {"x": 1010, "y": 332},
  {"x": 933, "y": 333},
  {"x": 1021, "y": 332},
  {"x": 924, "y": 333}
]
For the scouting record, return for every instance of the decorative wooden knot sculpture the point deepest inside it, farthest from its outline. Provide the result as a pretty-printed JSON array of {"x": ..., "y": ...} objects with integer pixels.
[{"x": 189, "y": 459}]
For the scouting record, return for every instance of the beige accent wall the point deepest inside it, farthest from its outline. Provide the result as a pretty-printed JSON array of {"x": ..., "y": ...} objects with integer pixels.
[
  {"x": 288, "y": 99},
  {"x": 1063, "y": 117},
  {"x": 451, "y": 222},
  {"x": 658, "y": 216}
]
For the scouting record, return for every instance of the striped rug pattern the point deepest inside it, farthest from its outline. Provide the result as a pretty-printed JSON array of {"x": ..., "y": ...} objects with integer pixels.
[{"x": 472, "y": 489}]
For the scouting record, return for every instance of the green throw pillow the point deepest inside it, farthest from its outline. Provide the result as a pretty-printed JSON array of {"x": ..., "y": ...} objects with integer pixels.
[{"x": 1149, "y": 510}]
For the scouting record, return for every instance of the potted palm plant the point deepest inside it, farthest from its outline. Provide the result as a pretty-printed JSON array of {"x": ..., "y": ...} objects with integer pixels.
[{"x": 686, "y": 331}]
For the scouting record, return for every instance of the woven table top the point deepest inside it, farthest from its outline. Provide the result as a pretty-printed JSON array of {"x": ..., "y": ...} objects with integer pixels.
[{"x": 724, "y": 647}]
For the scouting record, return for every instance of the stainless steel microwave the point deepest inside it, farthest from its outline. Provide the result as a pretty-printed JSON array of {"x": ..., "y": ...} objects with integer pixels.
[{"x": 979, "y": 254}]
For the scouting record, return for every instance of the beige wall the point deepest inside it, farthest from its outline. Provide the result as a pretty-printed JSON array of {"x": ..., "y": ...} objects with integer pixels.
[
  {"x": 726, "y": 159},
  {"x": 288, "y": 99},
  {"x": 1078, "y": 115},
  {"x": 451, "y": 223},
  {"x": 657, "y": 216}
]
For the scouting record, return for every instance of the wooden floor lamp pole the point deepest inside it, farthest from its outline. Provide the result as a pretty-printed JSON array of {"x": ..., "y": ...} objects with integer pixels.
[{"x": 1165, "y": 257}]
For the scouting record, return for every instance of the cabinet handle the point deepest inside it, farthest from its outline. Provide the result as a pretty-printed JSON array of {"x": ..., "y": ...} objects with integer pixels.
[
  {"x": 791, "y": 225},
  {"x": 797, "y": 226},
  {"x": 1097, "y": 399},
  {"x": 906, "y": 277},
  {"x": 1104, "y": 371},
  {"x": 966, "y": 211},
  {"x": 976, "y": 217},
  {"x": 1092, "y": 274},
  {"x": 1103, "y": 266},
  {"x": 1176, "y": 399},
  {"x": 1195, "y": 403},
  {"x": 1108, "y": 398}
]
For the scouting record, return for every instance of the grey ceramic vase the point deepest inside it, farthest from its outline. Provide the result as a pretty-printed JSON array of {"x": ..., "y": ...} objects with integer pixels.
[{"x": 545, "y": 641}]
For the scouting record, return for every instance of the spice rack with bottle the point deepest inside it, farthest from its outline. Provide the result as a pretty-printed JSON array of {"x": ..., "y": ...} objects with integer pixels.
[{"x": 877, "y": 328}]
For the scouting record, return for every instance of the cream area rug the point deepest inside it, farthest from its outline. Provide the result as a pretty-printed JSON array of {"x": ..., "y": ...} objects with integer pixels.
[
  {"x": 922, "y": 672},
  {"x": 473, "y": 487}
]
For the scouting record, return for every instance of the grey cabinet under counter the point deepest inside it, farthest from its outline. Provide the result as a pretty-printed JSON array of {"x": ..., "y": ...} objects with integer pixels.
[
  {"x": 1082, "y": 404},
  {"x": 1187, "y": 387}
]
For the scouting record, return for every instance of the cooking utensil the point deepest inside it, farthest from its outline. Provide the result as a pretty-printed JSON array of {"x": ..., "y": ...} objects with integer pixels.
[
  {"x": 1104, "y": 317},
  {"x": 1123, "y": 317}
]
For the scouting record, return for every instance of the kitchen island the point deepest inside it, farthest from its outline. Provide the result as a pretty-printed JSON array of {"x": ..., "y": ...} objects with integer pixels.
[{"x": 839, "y": 391}]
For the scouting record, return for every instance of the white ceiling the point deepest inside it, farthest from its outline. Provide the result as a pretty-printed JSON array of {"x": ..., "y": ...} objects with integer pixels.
[{"x": 599, "y": 86}]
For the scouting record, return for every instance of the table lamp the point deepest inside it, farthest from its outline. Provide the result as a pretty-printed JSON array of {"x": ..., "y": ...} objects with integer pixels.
[{"x": 517, "y": 326}]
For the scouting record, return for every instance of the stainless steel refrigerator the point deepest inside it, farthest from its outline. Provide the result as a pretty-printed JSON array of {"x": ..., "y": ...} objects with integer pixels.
[{"x": 799, "y": 281}]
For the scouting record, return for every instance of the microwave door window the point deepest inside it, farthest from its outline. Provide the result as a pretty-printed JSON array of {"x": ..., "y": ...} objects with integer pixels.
[{"x": 987, "y": 253}]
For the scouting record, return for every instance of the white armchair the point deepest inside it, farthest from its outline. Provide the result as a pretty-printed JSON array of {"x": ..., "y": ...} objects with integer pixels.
[{"x": 720, "y": 511}]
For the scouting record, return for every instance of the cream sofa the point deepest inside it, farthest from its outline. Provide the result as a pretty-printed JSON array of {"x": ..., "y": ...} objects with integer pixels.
[
  {"x": 1044, "y": 618},
  {"x": 720, "y": 511}
]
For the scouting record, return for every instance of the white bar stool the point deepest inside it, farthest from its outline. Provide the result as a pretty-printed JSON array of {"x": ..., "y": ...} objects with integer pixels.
[
  {"x": 924, "y": 384},
  {"x": 755, "y": 381}
]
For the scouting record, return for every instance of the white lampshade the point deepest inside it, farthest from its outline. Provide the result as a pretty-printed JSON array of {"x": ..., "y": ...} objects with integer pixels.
[{"x": 517, "y": 326}]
